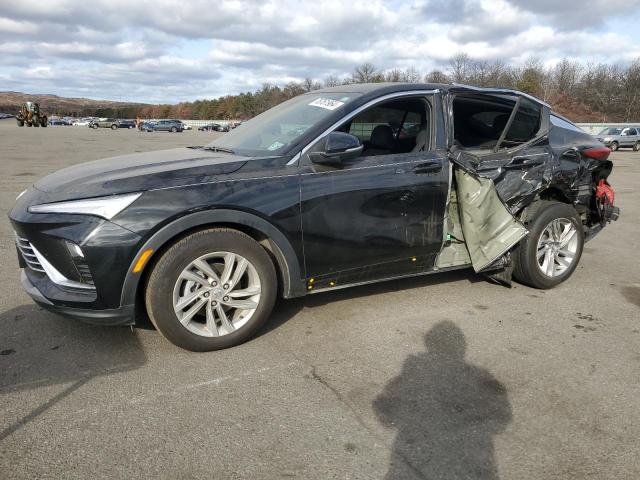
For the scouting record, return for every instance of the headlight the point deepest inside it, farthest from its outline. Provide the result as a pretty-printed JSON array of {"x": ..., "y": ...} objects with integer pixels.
[{"x": 105, "y": 207}]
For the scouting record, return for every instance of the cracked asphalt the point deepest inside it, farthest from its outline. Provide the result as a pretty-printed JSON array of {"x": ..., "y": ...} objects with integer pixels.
[{"x": 440, "y": 377}]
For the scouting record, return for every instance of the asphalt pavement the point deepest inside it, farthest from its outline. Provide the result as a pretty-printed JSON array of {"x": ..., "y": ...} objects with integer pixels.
[{"x": 440, "y": 377}]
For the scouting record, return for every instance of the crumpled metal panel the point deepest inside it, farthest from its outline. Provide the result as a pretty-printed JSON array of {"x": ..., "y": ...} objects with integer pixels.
[
  {"x": 517, "y": 179},
  {"x": 490, "y": 230}
]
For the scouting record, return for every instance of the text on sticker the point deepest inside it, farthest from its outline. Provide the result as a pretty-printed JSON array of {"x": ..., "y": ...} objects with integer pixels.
[{"x": 327, "y": 103}]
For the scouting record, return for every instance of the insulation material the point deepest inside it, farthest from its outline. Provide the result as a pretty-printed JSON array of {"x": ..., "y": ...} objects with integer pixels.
[
  {"x": 490, "y": 230},
  {"x": 454, "y": 253}
]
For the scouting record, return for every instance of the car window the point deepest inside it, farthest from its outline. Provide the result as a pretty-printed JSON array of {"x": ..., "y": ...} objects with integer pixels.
[
  {"x": 362, "y": 126},
  {"x": 391, "y": 127},
  {"x": 277, "y": 129},
  {"x": 560, "y": 122},
  {"x": 632, "y": 131},
  {"x": 480, "y": 119}
]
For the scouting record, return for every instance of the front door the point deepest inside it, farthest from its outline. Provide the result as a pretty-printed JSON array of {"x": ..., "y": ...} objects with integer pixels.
[{"x": 380, "y": 215}]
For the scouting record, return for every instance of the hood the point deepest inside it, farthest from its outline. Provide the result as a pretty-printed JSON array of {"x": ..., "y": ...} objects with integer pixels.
[{"x": 138, "y": 172}]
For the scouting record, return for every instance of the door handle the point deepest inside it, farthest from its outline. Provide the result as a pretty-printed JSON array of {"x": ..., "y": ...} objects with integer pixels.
[{"x": 427, "y": 167}]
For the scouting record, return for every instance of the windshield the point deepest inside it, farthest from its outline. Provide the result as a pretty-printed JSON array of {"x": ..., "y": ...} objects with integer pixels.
[
  {"x": 611, "y": 131},
  {"x": 273, "y": 131}
]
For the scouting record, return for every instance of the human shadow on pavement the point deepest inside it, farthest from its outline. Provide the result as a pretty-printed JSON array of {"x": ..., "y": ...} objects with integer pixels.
[
  {"x": 40, "y": 349},
  {"x": 446, "y": 412}
]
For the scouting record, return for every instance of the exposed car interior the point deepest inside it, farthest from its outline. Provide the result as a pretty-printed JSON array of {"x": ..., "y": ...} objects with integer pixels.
[
  {"x": 479, "y": 121},
  {"x": 397, "y": 126}
]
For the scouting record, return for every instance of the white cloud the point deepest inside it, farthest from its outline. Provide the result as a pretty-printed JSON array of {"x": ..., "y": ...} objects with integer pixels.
[{"x": 172, "y": 50}]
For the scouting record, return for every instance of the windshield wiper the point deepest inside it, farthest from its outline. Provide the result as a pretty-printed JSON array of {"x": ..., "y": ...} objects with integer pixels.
[{"x": 220, "y": 149}]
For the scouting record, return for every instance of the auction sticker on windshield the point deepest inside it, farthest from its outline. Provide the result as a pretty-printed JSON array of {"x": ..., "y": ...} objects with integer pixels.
[{"x": 327, "y": 103}]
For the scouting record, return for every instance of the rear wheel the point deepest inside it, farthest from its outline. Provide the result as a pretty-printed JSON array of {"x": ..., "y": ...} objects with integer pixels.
[
  {"x": 636, "y": 146},
  {"x": 614, "y": 146},
  {"x": 20, "y": 122},
  {"x": 551, "y": 252},
  {"x": 94, "y": 126},
  {"x": 35, "y": 122},
  {"x": 211, "y": 290}
]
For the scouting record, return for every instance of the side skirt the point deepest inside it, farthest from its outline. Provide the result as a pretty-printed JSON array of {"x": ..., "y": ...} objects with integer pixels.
[{"x": 398, "y": 277}]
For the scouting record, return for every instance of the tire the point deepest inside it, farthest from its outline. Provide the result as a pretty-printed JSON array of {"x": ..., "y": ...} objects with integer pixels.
[
  {"x": 167, "y": 287},
  {"x": 174, "y": 129},
  {"x": 94, "y": 126},
  {"x": 114, "y": 127},
  {"x": 44, "y": 122},
  {"x": 35, "y": 122},
  {"x": 614, "y": 146},
  {"x": 532, "y": 255},
  {"x": 20, "y": 123},
  {"x": 636, "y": 146}
]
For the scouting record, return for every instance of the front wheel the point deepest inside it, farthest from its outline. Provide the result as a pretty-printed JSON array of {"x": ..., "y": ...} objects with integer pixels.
[
  {"x": 614, "y": 146},
  {"x": 174, "y": 129},
  {"x": 211, "y": 290},
  {"x": 551, "y": 252},
  {"x": 636, "y": 146},
  {"x": 114, "y": 127}
]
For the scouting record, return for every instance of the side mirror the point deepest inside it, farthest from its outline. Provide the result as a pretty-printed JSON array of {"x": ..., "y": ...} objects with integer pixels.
[{"x": 338, "y": 147}]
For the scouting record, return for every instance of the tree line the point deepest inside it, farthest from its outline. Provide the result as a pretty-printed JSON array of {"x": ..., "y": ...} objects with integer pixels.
[{"x": 583, "y": 92}]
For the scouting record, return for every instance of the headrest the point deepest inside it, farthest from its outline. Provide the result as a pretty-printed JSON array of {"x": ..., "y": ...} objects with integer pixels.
[{"x": 382, "y": 137}]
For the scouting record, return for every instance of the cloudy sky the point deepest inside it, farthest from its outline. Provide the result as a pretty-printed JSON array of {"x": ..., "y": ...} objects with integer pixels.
[{"x": 169, "y": 51}]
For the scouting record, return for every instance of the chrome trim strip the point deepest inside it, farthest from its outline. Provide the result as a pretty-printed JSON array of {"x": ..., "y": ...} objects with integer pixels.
[
  {"x": 55, "y": 276},
  {"x": 370, "y": 103},
  {"x": 294, "y": 160},
  {"x": 502, "y": 90}
]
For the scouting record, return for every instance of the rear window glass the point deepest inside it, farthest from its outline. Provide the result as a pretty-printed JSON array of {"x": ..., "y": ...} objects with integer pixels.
[
  {"x": 560, "y": 122},
  {"x": 480, "y": 119}
]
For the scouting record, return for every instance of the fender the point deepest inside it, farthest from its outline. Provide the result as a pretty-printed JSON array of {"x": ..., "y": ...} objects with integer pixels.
[{"x": 286, "y": 258}]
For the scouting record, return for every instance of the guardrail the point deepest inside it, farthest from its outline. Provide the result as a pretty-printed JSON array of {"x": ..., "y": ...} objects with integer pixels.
[{"x": 595, "y": 128}]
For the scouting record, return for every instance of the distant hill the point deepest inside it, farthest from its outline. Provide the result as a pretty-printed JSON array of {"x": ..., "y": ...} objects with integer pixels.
[{"x": 52, "y": 104}]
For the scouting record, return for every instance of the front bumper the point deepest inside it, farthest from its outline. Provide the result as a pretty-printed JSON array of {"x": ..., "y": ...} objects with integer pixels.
[{"x": 123, "y": 315}]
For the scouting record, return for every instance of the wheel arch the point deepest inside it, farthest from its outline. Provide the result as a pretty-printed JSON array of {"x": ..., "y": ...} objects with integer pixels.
[{"x": 286, "y": 262}]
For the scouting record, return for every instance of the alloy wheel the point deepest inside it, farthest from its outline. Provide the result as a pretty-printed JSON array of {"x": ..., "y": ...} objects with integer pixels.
[
  {"x": 216, "y": 294},
  {"x": 557, "y": 247}
]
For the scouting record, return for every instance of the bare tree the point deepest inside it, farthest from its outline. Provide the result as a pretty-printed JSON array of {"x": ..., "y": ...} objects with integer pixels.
[
  {"x": 460, "y": 68},
  {"x": 366, "y": 73},
  {"x": 436, "y": 76},
  {"x": 331, "y": 81}
]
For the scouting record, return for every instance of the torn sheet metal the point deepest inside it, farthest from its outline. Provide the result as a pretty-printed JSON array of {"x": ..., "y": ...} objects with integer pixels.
[
  {"x": 519, "y": 178},
  {"x": 490, "y": 230}
]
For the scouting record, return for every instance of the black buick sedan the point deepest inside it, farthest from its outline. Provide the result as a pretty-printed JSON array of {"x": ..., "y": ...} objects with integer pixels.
[{"x": 334, "y": 188}]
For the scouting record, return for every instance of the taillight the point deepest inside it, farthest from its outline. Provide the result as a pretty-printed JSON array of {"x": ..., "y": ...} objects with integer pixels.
[{"x": 597, "y": 153}]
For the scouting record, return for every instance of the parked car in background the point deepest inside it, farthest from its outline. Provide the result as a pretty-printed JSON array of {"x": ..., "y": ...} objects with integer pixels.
[
  {"x": 82, "y": 122},
  {"x": 214, "y": 127},
  {"x": 59, "y": 122},
  {"x": 166, "y": 126},
  {"x": 186, "y": 127},
  {"x": 620, "y": 137},
  {"x": 205, "y": 238},
  {"x": 147, "y": 126},
  {"x": 111, "y": 123},
  {"x": 126, "y": 124}
]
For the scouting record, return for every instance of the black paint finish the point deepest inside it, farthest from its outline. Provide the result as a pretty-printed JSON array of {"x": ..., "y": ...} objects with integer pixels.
[{"x": 370, "y": 218}]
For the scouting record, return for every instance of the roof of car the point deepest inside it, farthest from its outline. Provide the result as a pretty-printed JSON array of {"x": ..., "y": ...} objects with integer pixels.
[{"x": 392, "y": 87}]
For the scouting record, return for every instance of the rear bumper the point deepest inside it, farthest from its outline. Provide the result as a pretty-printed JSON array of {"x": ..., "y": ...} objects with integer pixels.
[{"x": 123, "y": 315}]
